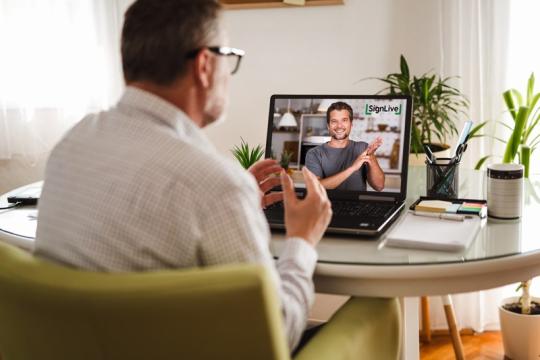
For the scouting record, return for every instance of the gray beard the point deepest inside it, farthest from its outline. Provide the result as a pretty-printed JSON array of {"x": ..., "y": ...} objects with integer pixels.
[{"x": 220, "y": 120}]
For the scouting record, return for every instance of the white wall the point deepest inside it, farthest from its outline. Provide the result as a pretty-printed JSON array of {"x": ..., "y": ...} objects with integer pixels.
[{"x": 321, "y": 50}]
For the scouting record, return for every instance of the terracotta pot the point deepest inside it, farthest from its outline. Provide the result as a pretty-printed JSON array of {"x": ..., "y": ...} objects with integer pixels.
[{"x": 520, "y": 332}]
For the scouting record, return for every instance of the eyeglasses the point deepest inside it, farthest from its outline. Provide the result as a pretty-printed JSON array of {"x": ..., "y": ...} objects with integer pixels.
[{"x": 234, "y": 56}]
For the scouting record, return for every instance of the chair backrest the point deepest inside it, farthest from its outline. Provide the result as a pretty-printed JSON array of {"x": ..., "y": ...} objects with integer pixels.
[{"x": 53, "y": 312}]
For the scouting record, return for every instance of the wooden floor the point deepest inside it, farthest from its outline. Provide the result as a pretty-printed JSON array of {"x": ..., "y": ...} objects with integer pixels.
[{"x": 485, "y": 346}]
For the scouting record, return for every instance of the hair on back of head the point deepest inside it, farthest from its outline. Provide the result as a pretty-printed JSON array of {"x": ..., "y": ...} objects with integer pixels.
[
  {"x": 339, "y": 105},
  {"x": 158, "y": 34}
]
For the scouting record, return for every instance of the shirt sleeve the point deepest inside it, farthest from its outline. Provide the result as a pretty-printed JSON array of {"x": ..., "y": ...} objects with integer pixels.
[
  {"x": 236, "y": 231},
  {"x": 314, "y": 162}
]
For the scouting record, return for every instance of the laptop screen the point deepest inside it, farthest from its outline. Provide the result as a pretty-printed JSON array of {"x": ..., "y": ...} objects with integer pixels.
[{"x": 353, "y": 143}]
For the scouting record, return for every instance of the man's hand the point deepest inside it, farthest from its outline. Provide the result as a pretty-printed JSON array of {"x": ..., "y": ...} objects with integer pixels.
[
  {"x": 374, "y": 146},
  {"x": 367, "y": 155},
  {"x": 307, "y": 218},
  {"x": 264, "y": 171}
]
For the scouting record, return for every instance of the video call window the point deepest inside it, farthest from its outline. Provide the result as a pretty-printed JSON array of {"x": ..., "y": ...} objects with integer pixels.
[{"x": 300, "y": 130}]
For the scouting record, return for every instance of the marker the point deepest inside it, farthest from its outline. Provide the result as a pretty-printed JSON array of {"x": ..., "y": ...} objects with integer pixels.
[
  {"x": 463, "y": 136},
  {"x": 443, "y": 216},
  {"x": 431, "y": 158}
]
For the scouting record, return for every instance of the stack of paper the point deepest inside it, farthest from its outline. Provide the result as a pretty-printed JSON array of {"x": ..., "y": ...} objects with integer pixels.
[
  {"x": 434, "y": 234},
  {"x": 433, "y": 205}
]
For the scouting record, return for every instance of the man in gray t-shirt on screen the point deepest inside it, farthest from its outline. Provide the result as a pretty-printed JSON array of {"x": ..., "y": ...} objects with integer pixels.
[{"x": 341, "y": 163}]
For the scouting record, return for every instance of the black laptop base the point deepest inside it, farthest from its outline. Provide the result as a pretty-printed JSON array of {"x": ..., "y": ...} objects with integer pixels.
[{"x": 346, "y": 224}]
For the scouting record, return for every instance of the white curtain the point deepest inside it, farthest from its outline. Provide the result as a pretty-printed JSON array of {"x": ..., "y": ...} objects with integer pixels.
[
  {"x": 59, "y": 59},
  {"x": 487, "y": 42}
]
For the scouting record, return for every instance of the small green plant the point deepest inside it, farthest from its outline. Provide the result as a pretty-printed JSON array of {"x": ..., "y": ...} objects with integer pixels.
[
  {"x": 286, "y": 159},
  {"x": 436, "y": 105},
  {"x": 247, "y": 156}
]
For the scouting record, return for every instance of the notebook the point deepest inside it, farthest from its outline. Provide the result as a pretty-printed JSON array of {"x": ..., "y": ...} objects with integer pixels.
[
  {"x": 429, "y": 233},
  {"x": 298, "y": 128}
]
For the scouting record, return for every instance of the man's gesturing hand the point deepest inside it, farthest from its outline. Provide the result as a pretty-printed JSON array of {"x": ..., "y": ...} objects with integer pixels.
[
  {"x": 264, "y": 171},
  {"x": 367, "y": 155},
  {"x": 307, "y": 218},
  {"x": 373, "y": 146}
]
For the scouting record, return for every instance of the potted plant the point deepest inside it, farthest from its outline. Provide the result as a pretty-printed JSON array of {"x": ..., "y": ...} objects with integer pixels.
[
  {"x": 286, "y": 159},
  {"x": 520, "y": 325},
  {"x": 247, "y": 156},
  {"x": 436, "y": 106},
  {"x": 525, "y": 114}
]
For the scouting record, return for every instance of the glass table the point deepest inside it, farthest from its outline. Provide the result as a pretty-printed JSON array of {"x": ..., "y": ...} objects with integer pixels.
[
  {"x": 503, "y": 252},
  {"x": 386, "y": 271}
]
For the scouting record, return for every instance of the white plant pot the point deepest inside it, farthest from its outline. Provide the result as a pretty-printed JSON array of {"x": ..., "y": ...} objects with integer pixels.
[{"x": 520, "y": 333}]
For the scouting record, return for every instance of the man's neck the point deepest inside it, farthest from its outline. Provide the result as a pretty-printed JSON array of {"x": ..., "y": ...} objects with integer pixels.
[
  {"x": 335, "y": 143},
  {"x": 180, "y": 94}
]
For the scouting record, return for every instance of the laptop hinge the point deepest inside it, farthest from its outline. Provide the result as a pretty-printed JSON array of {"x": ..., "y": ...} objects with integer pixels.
[{"x": 376, "y": 198}]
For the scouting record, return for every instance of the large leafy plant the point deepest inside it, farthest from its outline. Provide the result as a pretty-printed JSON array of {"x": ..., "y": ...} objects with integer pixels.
[
  {"x": 436, "y": 105},
  {"x": 245, "y": 155},
  {"x": 523, "y": 139}
]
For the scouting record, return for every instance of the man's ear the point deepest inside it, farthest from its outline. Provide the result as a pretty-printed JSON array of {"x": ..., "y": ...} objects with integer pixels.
[{"x": 203, "y": 68}]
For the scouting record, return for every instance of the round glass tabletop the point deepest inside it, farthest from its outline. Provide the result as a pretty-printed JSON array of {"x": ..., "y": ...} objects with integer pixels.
[{"x": 496, "y": 238}]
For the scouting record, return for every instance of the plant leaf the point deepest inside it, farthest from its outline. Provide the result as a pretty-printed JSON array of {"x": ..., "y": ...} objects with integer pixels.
[
  {"x": 506, "y": 125},
  {"x": 512, "y": 145},
  {"x": 404, "y": 67},
  {"x": 530, "y": 90},
  {"x": 510, "y": 103},
  {"x": 481, "y": 162},
  {"x": 475, "y": 129}
]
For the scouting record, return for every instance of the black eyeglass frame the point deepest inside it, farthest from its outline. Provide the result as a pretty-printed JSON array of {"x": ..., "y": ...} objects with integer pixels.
[{"x": 222, "y": 51}]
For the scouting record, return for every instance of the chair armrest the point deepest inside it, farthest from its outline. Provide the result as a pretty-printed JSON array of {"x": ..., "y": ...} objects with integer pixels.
[{"x": 363, "y": 328}]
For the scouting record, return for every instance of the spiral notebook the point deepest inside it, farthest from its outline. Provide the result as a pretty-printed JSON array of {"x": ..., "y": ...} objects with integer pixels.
[{"x": 419, "y": 232}]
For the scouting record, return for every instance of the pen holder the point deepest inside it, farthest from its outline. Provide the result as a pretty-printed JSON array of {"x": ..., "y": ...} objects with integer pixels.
[{"x": 442, "y": 179}]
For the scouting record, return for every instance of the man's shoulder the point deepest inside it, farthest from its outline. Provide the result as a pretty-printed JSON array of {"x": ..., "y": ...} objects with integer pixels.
[
  {"x": 316, "y": 151},
  {"x": 158, "y": 155}
]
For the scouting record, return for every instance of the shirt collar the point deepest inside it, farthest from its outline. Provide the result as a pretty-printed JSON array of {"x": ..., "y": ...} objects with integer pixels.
[{"x": 150, "y": 104}]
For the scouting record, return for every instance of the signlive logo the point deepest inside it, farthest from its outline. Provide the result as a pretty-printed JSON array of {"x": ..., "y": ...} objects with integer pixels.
[{"x": 370, "y": 109}]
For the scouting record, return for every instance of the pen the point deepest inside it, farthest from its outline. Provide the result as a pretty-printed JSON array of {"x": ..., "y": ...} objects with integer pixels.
[
  {"x": 453, "y": 217},
  {"x": 430, "y": 157}
]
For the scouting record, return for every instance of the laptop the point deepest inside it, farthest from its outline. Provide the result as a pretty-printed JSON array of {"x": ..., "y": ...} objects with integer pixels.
[{"x": 299, "y": 135}]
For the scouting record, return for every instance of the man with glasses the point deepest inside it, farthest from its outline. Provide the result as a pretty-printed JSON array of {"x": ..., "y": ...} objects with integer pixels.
[{"x": 139, "y": 187}]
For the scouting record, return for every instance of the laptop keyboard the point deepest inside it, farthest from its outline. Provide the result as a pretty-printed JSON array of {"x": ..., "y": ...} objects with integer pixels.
[
  {"x": 350, "y": 208},
  {"x": 363, "y": 209}
]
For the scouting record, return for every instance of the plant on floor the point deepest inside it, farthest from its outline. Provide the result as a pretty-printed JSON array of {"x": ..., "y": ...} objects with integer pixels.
[
  {"x": 520, "y": 321},
  {"x": 247, "y": 155},
  {"x": 437, "y": 105}
]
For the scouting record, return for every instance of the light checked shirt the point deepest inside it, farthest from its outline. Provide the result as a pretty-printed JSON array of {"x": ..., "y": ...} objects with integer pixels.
[{"x": 139, "y": 187}]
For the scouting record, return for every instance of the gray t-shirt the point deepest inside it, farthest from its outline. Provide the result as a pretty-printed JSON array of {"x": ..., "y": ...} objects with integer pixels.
[{"x": 325, "y": 161}]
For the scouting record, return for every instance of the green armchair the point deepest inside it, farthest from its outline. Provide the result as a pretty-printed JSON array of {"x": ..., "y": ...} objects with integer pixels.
[{"x": 228, "y": 312}]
